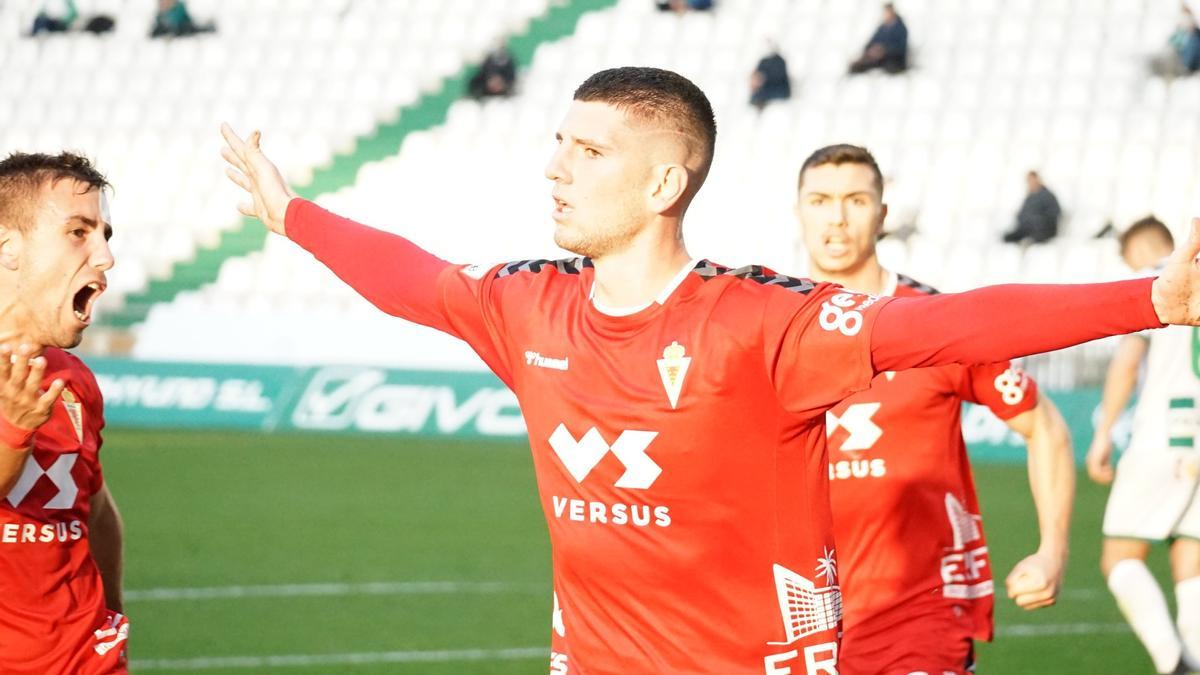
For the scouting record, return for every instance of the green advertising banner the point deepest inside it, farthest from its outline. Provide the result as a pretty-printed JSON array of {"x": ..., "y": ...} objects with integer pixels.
[
  {"x": 335, "y": 398},
  {"x": 419, "y": 402}
]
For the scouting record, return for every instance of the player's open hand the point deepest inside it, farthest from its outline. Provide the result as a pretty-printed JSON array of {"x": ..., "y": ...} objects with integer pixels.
[
  {"x": 1176, "y": 292},
  {"x": 1099, "y": 460},
  {"x": 22, "y": 401},
  {"x": 250, "y": 170},
  {"x": 1035, "y": 581}
]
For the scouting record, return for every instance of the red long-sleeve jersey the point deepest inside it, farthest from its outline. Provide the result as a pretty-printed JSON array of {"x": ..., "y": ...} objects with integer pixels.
[
  {"x": 679, "y": 450},
  {"x": 53, "y": 619}
]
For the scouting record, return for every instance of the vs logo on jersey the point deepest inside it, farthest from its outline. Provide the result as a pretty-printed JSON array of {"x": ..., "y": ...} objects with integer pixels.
[{"x": 673, "y": 367}]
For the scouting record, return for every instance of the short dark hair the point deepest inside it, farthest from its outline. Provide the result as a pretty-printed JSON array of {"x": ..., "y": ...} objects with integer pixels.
[
  {"x": 661, "y": 96},
  {"x": 1143, "y": 226},
  {"x": 22, "y": 176},
  {"x": 842, "y": 153}
]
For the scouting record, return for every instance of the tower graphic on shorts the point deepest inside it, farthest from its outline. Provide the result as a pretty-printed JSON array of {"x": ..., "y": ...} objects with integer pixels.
[
  {"x": 964, "y": 524},
  {"x": 806, "y": 609}
]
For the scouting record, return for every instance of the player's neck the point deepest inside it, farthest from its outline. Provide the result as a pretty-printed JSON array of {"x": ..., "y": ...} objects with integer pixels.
[
  {"x": 637, "y": 274},
  {"x": 868, "y": 277},
  {"x": 11, "y": 333}
]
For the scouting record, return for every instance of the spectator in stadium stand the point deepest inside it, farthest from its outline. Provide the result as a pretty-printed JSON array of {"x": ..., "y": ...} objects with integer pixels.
[
  {"x": 496, "y": 74},
  {"x": 1182, "y": 56},
  {"x": 681, "y": 6},
  {"x": 1037, "y": 220},
  {"x": 887, "y": 48},
  {"x": 174, "y": 20},
  {"x": 769, "y": 81},
  {"x": 54, "y": 16}
]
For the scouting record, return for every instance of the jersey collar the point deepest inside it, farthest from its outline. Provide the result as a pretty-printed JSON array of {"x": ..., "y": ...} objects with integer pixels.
[{"x": 660, "y": 299}]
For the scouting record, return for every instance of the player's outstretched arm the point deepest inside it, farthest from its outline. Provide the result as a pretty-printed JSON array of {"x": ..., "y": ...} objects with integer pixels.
[
  {"x": 393, "y": 273},
  {"x": 1000, "y": 323},
  {"x": 1176, "y": 292},
  {"x": 249, "y": 169},
  {"x": 1118, "y": 388},
  {"x": 23, "y": 408},
  {"x": 1035, "y": 581}
]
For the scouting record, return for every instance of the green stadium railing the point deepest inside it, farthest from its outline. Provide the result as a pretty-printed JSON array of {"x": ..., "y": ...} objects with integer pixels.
[{"x": 384, "y": 141}]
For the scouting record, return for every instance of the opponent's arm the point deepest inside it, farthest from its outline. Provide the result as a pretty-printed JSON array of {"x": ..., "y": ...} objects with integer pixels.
[
  {"x": 1118, "y": 388},
  {"x": 106, "y": 537},
  {"x": 998, "y": 323},
  {"x": 1035, "y": 581},
  {"x": 23, "y": 408}
]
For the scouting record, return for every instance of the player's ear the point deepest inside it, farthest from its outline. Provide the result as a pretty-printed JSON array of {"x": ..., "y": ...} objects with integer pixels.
[
  {"x": 882, "y": 217},
  {"x": 669, "y": 184},
  {"x": 10, "y": 247}
]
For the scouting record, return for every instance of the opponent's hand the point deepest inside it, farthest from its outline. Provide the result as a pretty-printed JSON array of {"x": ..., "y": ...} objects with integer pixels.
[
  {"x": 22, "y": 401},
  {"x": 1176, "y": 292},
  {"x": 250, "y": 170},
  {"x": 1035, "y": 581},
  {"x": 1099, "y": 459}
]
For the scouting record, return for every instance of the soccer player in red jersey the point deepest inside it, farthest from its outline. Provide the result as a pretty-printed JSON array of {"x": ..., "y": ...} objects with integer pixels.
[
  {"x": 60, "y": 532},
  {"x": 676, "y": 407},
  {"x": 915, "y": 571}
]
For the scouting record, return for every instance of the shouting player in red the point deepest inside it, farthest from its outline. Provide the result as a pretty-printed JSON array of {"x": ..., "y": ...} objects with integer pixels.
[
  {"x": 916, "y": 575},
  {"x": 60, "y": 532},
  {"x": 676, "y": 407}
]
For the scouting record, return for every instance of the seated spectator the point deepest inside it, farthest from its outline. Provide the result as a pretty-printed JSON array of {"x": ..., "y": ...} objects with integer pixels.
[
  {"x": 770, "y": 81},
  {"x": 496, "y": 76},
  {"x": 174, "y": 20},
  {"x": 1182, "y": 56},
  {"x": 1037, "y": 221},
  {"x": 887, "y": 48},
  {"x": 681, "y": 6},
  {"x": 54, "y": 16}
]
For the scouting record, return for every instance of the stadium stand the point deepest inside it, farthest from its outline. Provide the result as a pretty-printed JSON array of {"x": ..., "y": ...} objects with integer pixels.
[{"x": 987, "y": 99}]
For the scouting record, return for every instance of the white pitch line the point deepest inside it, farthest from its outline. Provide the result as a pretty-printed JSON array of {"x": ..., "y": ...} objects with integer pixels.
[
  {"x": 510, "y": 654},
  {"x": 350, "y": 659},
  {"x": 1039, "y": 630},
  {"x": 328, "y": 589}
]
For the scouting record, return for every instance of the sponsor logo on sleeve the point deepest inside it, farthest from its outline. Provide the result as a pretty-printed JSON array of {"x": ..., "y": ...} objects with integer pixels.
[
  {"x": 844, "y": 313},
  {"x": 1012, "y": 384}
]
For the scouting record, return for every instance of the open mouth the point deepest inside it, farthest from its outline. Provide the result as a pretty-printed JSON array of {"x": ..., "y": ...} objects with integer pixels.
[
  {"x": 561, "y": 207},
  {"x": 835, "y": 246},
  {"x": 83, "y": 300}
]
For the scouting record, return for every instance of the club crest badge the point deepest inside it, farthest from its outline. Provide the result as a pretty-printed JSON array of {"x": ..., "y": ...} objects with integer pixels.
[
  {"x": 673, "y": 367},
  {"x": 74, "y": 411}
]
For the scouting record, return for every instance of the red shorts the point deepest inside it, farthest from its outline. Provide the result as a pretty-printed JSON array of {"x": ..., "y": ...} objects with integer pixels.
[
  {"x": 95, "y": 651},
  {"x": 932, "y": 643},
  {"x": 111, "y": 657}
]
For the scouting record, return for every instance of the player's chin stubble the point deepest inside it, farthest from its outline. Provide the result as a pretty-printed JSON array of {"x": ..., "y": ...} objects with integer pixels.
[{"x": 592, "y": 247}]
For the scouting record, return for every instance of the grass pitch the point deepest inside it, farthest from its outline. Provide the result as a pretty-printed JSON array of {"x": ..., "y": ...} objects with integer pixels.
[{"x": 293, "y": 553}]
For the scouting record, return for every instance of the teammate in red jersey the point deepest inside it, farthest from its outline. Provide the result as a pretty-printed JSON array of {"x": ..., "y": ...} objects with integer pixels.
[
  {"x": 676, "y": 407},
  {"x": 916, "y": 574},
  {"x": 60, "y": 532}
]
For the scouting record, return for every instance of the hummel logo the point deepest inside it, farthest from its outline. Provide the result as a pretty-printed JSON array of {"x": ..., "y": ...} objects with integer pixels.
[{"x": 536, "y": 359}]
